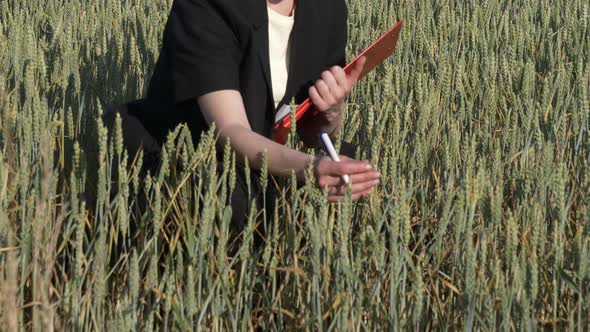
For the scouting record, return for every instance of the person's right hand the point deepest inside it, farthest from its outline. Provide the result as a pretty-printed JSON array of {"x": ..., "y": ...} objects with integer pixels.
[{"x": 363, "y": 178}]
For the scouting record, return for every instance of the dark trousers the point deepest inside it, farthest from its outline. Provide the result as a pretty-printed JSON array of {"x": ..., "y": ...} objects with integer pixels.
[{"x": 136, "y": 137}]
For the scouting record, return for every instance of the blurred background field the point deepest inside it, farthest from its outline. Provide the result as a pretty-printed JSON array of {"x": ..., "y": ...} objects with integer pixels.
[{"x": 479, "y": 124}]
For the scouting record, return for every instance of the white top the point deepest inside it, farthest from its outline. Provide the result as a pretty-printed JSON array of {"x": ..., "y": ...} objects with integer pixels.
[{"x": 279, "y": 31}]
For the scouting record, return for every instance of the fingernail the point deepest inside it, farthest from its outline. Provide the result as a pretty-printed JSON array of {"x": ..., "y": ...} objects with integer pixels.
[
  {"x": 368, "y": 167},
  {"x": 376, "y": 182}
]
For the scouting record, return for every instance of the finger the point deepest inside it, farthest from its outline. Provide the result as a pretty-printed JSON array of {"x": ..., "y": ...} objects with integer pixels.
[
  {"x": 337, "y": 186},
  {"x": 365, "y": 177},
  {"x": 356, "y": 197},
  {"x": 358, "y": 182},
  {"x": 317, "y": 100},
  {"x": 363, "y": 187},
  {"x": 346, "y": 158},
  {"x": 370, "y": 174},
  {"x": 327, "y": 181},
  {"x": 337, "y": 191},
  {"x": 340, "y": 77},
  {"x": 337, "y": 91},
  {"x": 329, "y": 79},
  {"x": 355, "y": 189},
  {"x": 349, "y": 167},
  {"x": 356, "y": 71},
  {"x": 325, "y": 93}
]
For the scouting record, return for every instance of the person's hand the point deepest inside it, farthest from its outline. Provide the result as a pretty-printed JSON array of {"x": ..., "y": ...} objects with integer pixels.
[
  {"x": 330, "y": 91},
  {"x": 363, "y": 178}
]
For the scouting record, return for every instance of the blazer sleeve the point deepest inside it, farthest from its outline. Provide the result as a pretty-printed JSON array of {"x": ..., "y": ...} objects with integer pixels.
[
  {"x": 203, "y": 52},
  {"x": 338, "y": 36}
]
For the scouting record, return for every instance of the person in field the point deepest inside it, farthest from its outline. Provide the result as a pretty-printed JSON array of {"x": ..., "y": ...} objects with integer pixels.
[{"x": 235, "y": 63}]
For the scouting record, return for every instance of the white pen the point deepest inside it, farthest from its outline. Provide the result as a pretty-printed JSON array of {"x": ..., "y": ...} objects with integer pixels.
[{"x": 331, "y": 151}]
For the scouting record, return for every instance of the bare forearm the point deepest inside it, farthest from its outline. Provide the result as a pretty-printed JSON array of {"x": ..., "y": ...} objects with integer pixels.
[
  {"x": 281, "y": 161},
  {"x": 225, "y": 108}
]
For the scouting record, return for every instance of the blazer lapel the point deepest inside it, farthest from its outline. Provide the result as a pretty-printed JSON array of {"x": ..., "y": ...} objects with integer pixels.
[
  {"x": 265, "y": 62},
  {"x": 260, "y": 37}
]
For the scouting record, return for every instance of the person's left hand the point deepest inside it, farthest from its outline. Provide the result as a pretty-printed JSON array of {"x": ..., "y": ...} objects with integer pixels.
[{"x": 329, "y": 92}]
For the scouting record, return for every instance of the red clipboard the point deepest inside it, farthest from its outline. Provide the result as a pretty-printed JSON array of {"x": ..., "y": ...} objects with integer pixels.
[{"x": 376, "y": 54}]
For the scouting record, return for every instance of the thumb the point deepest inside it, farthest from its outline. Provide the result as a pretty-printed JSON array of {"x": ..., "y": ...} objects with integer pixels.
[{"x": 357, "y": 70}]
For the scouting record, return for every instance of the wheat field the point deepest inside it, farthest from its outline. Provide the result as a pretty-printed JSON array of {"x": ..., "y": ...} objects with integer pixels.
[{"x": 479, "y": 124}]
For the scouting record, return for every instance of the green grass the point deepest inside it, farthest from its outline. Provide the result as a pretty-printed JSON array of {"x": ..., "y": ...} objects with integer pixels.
[{"x": 479, "y": 124}]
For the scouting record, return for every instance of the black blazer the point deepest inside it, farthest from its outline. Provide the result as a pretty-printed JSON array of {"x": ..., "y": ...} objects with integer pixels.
[{"x": 212, "y": 45}]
